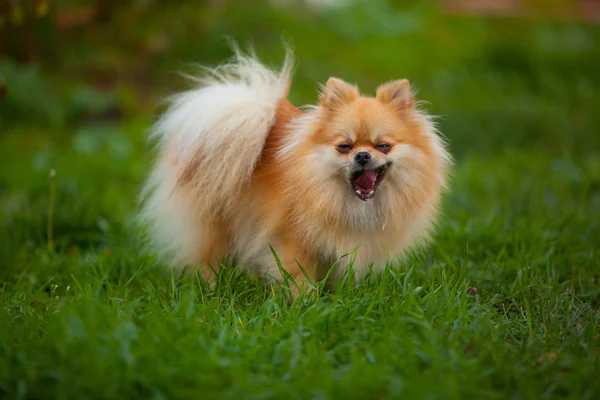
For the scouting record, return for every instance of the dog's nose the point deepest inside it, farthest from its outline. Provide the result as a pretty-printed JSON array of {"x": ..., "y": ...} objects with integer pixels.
[{"x": 362, "y": 157}]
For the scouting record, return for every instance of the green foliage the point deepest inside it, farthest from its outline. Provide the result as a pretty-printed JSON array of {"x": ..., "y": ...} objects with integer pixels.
[
  {"x": 96, "y": 318},
  {"x": 27, "y": 96},
  {"x": 509, "y": 82},
  {"x": 29, "y": 99}
]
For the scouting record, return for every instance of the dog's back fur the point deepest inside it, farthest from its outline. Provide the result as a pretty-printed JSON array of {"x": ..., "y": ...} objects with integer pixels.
[{"x": 210, "y": 140}]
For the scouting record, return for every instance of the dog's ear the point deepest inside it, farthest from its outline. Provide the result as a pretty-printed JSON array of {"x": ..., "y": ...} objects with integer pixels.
[
  {"x": 397, "y": 94},
  {"x": 337, "y": 92}
]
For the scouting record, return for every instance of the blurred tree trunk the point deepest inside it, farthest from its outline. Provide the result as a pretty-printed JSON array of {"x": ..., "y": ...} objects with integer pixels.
[
  {"x": 27, "y": 27},
  {"x": 18, "y": 27},
  {"x": 105, "y": 9}
]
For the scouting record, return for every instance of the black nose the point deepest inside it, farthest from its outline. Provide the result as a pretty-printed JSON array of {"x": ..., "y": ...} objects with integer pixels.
[{"x": 362, "y": 157}]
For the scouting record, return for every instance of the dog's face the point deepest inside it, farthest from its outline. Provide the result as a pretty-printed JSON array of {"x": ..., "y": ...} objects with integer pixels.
[{"x": 374, "y": 145}]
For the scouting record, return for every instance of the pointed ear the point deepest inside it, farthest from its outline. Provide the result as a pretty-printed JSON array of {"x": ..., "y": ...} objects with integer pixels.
[
  {"x": 337, "y": 92},
  {"x": 396, "y": 93}
]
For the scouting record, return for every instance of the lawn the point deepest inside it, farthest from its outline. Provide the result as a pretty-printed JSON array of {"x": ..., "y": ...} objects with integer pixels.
[{"x": 505, "y": 303}]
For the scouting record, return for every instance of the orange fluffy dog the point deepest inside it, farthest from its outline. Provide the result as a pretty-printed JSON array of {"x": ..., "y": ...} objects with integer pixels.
[{"x": 241, "y": 169}]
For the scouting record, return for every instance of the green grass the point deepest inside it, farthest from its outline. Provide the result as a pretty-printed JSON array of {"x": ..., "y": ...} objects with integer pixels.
[
  {"x": 96, "y": 319},
  {"x": 92, "y": 317}
]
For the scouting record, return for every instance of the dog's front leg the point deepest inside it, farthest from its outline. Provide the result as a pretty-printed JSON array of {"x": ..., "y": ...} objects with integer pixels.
[{"x": 299, "y": 264}]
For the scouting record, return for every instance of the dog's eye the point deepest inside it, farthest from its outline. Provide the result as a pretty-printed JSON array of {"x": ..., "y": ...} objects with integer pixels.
[
  {"x": 383, "y": 147},
  {"x": 344, "y": 148}
]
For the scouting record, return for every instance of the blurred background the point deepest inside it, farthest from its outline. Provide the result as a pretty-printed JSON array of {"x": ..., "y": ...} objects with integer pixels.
[{"x": 81, "y": 82}]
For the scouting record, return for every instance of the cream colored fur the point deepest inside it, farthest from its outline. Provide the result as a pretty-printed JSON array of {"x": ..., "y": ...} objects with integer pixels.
[{"x": 226, "y": 119}]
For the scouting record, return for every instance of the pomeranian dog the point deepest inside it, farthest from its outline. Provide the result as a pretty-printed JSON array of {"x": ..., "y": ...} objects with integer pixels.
[{"x": 241, "y": 172}]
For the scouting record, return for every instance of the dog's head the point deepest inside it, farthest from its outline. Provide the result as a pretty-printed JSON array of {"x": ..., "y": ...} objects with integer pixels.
[{"x": 378, "y": 146}]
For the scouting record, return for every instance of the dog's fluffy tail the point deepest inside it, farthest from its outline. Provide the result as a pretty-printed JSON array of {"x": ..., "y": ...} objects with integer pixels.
[{"x": 210, "y": 140}]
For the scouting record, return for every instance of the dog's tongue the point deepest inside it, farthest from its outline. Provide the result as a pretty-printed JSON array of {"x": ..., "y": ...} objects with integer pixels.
[{"x": 366, "y": 182}]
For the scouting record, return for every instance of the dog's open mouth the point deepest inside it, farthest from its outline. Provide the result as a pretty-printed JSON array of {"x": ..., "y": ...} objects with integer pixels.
[{"x": 365, "y": 182}]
